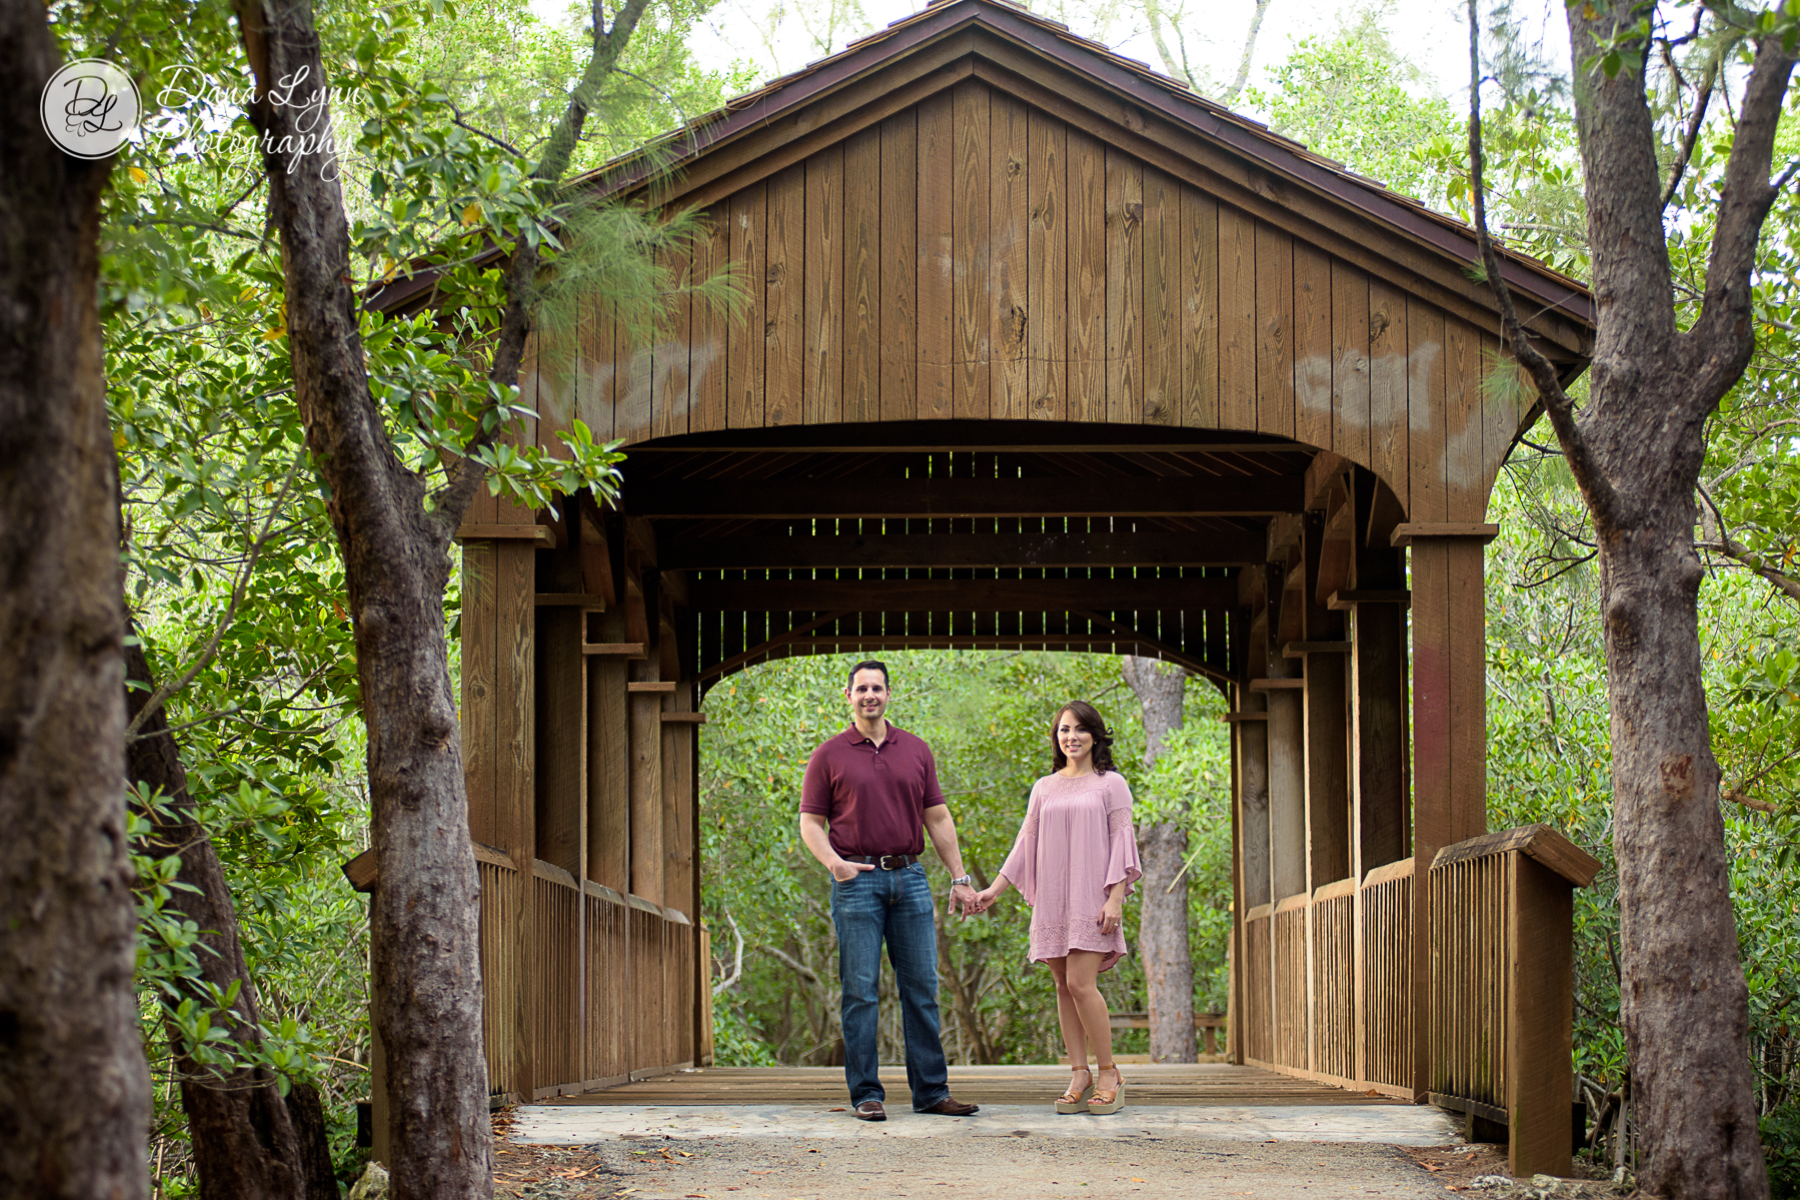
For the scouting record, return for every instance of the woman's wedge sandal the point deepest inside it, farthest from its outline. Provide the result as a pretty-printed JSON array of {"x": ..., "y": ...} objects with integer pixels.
[
  {"x": 1075, "y": 1099},
  {"x": 1107, "y": 1102}
]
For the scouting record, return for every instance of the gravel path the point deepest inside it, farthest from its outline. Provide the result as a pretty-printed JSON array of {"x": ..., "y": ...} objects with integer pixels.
[{"x": 1145, "y": 1167}]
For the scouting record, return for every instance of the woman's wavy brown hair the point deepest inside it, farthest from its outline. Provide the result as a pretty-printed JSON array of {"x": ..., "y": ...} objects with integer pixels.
[{"x": 1089, "y": 719}]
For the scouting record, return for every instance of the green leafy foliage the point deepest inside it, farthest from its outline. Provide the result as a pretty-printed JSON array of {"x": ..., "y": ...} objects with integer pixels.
[{"x": 987, "y": 717}]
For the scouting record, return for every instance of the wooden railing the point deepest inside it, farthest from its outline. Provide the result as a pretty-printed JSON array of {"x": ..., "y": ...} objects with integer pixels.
[
  {"x": 1502, "y": 987},
  {"x": 582, "y": 987},
  {"x": 1210, "y": 1024},
  {"x": 1384, "y": 903},
  {"x": 1332, "y": 989}
]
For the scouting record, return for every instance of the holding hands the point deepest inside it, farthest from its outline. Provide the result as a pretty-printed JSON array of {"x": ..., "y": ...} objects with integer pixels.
[
  {"x": 964, "y": 899},
  {"x": 984, "y": 899}
]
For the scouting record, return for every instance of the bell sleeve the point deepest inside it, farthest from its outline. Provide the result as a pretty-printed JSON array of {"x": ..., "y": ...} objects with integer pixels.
[
  {"x": 1020, "y": 867},
  {"x": 1122, "y": 863}
]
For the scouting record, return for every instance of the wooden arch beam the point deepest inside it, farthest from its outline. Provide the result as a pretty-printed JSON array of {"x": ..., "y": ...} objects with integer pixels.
[
  {"x": 1050, "y": 549},
  {"x": 961, "y": 595},
  {"x": 1037, "y": 496}
]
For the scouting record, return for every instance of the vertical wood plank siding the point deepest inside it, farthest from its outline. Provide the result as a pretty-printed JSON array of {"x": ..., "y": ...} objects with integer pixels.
[
  {"x": 1047, "y": 268},
  {"x": 974, "y": 257}
]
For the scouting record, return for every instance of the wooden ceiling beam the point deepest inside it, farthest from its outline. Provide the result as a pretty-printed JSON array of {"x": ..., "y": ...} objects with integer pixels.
[
  {"x": 859, "y": 644},
  {"x": 774, "y": 499},
  {"x": 961, "y": 595},
  {"x": 1224, "y": 548}
]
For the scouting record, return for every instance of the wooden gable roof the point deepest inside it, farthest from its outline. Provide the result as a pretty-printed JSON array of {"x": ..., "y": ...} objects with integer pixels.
[
  {"x": 974, "y": 217},
  {"x": 1126, "y": 105}
]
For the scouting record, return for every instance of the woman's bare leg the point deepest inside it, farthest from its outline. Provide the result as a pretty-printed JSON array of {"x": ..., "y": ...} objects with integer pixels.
[
  {"x": 1080, "y": 979},
  {"x": 1074, "y": 1034}
]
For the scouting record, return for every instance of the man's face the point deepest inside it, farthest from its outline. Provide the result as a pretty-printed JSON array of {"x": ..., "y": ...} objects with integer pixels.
[{"x": 868, "y": 694}]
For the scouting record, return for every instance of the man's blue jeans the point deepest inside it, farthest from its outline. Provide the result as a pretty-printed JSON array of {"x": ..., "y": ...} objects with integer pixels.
[{"x": 894, "y": 906}]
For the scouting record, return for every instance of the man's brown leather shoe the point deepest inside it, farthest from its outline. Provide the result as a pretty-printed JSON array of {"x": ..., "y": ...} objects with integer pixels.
[
  {"x": 950, "y": 1106},
  {"x": 871, "y": 1110}
]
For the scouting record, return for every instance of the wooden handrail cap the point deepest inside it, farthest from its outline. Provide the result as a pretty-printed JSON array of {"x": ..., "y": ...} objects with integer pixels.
[{"x": 1541, "y": 842}]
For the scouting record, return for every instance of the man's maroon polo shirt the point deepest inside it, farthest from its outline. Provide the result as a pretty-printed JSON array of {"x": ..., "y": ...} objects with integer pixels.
[{"x": 874, "y": 798}]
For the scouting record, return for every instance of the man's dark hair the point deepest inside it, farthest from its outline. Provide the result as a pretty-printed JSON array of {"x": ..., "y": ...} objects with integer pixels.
[{"x": 869, "y": 664}]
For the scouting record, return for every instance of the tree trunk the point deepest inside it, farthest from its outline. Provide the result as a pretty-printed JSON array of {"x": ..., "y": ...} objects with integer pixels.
[
  {"x": 1636, "y": 449},
  {"x": 423, "y": 934},
  {"x": 74, "y": 1084},
  {"x": 1163, "y": 847},
  {"x": 246, "y": 1145},
  {"x": 1683, "y": 1001}
]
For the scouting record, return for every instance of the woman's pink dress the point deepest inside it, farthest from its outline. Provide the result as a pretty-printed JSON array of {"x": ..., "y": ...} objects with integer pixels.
[{"x": 1076, "y": 842}]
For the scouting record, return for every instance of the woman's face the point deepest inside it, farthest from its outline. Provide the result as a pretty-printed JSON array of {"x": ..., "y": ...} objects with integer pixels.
[{"x": 1072, "y": 738}]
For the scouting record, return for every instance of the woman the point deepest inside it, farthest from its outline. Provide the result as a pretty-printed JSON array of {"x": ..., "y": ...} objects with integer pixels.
[{"x": 1074, "y": 862}]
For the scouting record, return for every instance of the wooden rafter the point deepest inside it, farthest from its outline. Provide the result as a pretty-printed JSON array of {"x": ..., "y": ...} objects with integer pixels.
[
  {"x": 932, "y": 497},
  {"x": 961, "y": 595},
  {"x": 1225, "y": 548}
]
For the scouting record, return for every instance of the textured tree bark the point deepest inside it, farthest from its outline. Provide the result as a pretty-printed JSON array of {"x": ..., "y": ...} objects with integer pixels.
[
  {"x": 423, "y": 936},
  {"x": 74, "y": 1084},
  {"x": 246, "y": 1144},
  {"x": 1163, "y": 847},
  {"x": 1684, "y": 1004},
  {"x": 1636, "y": 449}
]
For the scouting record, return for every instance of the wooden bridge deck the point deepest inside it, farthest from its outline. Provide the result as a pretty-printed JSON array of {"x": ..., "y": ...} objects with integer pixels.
[{"x": 1197, "y": 1085}]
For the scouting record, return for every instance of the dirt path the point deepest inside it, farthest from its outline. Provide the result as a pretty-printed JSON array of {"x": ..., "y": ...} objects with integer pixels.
[{"x": 1060, "y": 1168}]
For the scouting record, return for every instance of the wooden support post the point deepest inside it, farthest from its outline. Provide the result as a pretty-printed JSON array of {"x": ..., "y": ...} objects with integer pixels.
[
  {"x": 1449, "y": 719},
  {"x": 1540, "y": 1020},
  {"x": 561, "y": 751},
  {"x": 608, "y": 760},
  {"x": 1323, "y": 650},
  {"x": 1250, "y": 767},
  {"x": 644, "y": 710},
  {"x": 1286, "y": 751},
  {"x": 514, "y": 771}
]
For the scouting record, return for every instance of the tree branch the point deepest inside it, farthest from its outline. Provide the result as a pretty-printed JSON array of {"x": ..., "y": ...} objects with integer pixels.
[
  {"x": 1723, "y": 337},
  {"x": 1177, "y": 68},
  {"x": 242, "y": 584},
  {"x": 1561, "y": 410},
  {"x": 1692, "y": 134},
  {"x": 799, "y": 968},
  {"x": 1716, "y": 538},
  {"x": 1243, "y": 69},
  {"x": 521, "y": 270},
  {"x": 737, "y": 965},
  {"x": 462, "y": 122}
]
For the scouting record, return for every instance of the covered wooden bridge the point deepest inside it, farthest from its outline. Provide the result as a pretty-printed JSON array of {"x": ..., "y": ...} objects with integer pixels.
[{"x": 1043, "y": 351}]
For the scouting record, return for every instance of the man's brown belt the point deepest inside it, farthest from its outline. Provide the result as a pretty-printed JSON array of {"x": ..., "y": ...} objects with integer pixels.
[{"x": 887, "y": 862}]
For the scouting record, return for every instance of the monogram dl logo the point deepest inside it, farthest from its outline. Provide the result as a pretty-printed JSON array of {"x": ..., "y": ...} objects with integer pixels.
[{"x": 90, "y": 108}]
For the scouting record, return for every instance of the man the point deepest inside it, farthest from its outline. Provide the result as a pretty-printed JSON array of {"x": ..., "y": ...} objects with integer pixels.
[{"x": 869, "y": 792}]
